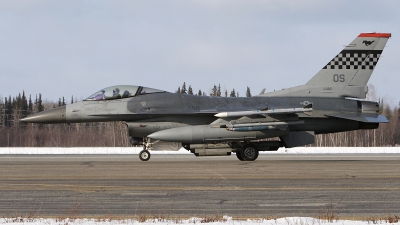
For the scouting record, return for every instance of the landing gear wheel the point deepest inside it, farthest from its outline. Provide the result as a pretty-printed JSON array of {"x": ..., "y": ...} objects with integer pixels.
[
  {"x": 249, "y": 153},
  {"x": 144, "y": 155},
  {"x": 239, "y": 156}
]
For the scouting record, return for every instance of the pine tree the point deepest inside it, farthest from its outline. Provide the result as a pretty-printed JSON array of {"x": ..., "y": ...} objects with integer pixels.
[
  {"x": 179, "y": 90},
  {"x": 204, "y": 94},
  {"x": 226, "y": 93},
  {"x": 2, "y": 111},
  {"x": 248, "y": 93},
  {"x": 233, "y": 93},
  {"x": 219, "y": 90},
  {"x": 30, "y": 105},
  {"x": 214, "y": 91},
  {"x": 190, "y": 90},
  {"x": 63, "y": 101},
  {"x": 72, "y": 99},
  {"x": 199, "y": 93},
  {"x": 183, "y": 89},
  {"x": 24, "y": 105},
  {"x": 13, "y": 104},
  {"x": 17, "y": 102},
  {"x": 5, "y": 112},
  {"x": 39, "y": 105},
  {"x": 9, "y": 111}
]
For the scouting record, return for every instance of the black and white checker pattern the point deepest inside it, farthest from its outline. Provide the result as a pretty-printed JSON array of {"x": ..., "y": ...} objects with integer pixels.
[{"x": 353, "y": 59}]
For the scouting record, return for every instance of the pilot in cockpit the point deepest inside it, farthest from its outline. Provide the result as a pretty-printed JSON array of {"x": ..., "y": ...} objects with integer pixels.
[
  {"x": 116, "y": 94},
  {"x": 100, "y": 96}
]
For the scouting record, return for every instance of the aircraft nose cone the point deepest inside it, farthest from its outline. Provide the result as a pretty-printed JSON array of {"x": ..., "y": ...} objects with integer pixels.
[{"x": 56, "y": 115}]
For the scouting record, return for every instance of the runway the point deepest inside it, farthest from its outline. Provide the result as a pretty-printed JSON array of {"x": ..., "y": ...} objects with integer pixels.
[{"x": 350, "y": 185}]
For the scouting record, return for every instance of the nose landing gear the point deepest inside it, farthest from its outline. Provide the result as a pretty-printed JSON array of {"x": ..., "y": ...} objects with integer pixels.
[{"x": 144, "y": 155}]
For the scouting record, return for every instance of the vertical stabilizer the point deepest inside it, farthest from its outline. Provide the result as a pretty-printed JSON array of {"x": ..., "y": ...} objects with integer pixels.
[
  {"x": 354, "y": 65},
  {"x": 347, "y": 74}
]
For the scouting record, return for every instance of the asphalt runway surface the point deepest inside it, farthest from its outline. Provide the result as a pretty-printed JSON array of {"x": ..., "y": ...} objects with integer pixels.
[{"x": 347, "y": 185}]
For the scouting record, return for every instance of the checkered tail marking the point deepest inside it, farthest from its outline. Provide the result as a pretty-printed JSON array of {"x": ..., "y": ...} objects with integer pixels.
[{"x": 355, "y": 59}]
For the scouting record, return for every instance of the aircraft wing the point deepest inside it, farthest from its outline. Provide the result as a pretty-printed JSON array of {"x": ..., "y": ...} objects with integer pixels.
[{"x": 361, "y": 117}]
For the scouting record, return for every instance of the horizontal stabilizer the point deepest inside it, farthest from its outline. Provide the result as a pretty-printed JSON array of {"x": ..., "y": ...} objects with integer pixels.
[{"x": 361, "y": 117}]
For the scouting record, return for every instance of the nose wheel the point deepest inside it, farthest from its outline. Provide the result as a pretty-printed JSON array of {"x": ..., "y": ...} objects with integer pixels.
[{"x": 144, "y": 155}]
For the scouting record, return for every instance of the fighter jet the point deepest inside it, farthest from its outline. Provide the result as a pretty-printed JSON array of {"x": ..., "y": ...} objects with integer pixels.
[{"x": 332, "y": 101}]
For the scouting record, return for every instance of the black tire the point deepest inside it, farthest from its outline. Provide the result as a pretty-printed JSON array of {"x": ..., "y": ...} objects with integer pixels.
[
  {"x": 239, "y": 156},
  {"x": 249, "y": 153},
  {"x": 144, "y": 155}
]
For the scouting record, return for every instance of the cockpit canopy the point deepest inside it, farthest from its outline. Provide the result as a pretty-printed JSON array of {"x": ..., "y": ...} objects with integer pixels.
[{"x": 121, "y": 91}]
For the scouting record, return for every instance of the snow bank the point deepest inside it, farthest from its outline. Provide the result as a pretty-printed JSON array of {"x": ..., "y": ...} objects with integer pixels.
[{"x": 136, "y": 150}]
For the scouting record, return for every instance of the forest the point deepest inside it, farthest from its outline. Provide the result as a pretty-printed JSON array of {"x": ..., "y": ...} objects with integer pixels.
[{"x": 14, "y": 133}]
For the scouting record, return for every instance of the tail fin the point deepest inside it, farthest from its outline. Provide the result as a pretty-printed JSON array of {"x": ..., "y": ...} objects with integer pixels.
[
  {"x": 354, "y": 65},
  {"x": 348, "y": 73}
]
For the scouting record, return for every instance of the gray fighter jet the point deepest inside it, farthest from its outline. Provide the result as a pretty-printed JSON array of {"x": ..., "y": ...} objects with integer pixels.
[{"x": 208, "y": 126}]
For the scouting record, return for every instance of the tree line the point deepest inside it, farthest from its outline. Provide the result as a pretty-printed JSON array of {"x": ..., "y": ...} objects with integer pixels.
[
  {"x": 215, "y": 91},
  {"x": 14, "y": 133}
]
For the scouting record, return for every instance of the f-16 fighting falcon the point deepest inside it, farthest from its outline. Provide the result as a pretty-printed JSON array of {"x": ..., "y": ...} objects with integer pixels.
[{"x": 210, "y": 126}]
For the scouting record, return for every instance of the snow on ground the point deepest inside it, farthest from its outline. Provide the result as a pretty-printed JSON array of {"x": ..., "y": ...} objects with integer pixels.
[
  {"x": 228, "y": 221},
  {"x": 136, "y": 150}
]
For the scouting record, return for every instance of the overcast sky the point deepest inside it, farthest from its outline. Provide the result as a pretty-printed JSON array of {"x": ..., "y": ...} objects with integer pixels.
[{"x": 65, "y": 48}]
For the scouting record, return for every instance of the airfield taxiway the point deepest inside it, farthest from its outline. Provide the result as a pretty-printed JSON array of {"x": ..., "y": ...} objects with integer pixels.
[{"x": 348, "y": 185}]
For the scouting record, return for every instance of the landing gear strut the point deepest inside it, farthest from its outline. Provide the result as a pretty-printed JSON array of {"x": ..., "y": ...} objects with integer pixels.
[{"x": 144, "y": 155}]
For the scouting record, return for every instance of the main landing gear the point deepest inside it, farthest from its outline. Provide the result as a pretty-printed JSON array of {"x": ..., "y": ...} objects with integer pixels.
[{"x": 247, "y": 153}]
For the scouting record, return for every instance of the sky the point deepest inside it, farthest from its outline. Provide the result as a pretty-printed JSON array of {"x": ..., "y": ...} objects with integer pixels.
[{"x": 74, "y": 48}]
